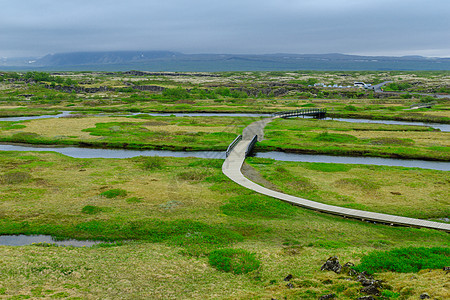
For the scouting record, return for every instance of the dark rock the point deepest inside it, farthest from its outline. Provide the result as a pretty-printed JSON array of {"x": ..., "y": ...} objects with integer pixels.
[
  {"x": 347, "y": 268},
  {"x": 447, "y": 269},
  {"x": 332, "y": 264},
  {"x": 352, "y": 272},
  {"x": 290, "y": 285},
  {"x": 425, "y": 296},
  {"x": 366, "y": 298},
  {"x": 348, "y": 265},
  {"x": 370, "y": 290},
  {"x": 329, "y": 296},
  {"x": 289, "y": 277}
]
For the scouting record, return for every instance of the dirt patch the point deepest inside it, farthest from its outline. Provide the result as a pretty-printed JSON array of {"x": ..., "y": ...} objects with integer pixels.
[{"x": 252, "y": 174}]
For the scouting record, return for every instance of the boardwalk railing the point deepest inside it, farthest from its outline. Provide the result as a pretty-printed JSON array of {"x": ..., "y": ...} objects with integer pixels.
[
  {"x": 315, "y": 112},
  {"x": 423, "y": 105},
  {"x": 251, "y": 145},
  {"x": 232, "y": 169},
  {"x": 233, "y": 144}
]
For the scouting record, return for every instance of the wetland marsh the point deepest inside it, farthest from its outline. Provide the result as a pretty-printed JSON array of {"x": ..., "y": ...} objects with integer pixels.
[{"x": 167, "y": 216}]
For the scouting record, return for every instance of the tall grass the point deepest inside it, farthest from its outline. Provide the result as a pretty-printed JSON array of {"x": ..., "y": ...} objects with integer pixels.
[{"x": 405, "y": 260}]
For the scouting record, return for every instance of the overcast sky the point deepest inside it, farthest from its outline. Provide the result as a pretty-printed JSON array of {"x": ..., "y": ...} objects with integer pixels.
[{"x": 366, "y": 27}]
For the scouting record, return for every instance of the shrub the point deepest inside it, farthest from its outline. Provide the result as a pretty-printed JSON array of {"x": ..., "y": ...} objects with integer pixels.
[
  {"x": 405, "y": 260},
  {"x": 152, "y": 162},
  {"x": 361, "y": 183},
  {"x": 258, "y": 205},
  {"x": 91, "y": 210},
  {"x": 391, "y": 141},
  {"x": 134, "y": 200},
  {"x": 194, "y": 175},
  {"x": 15, "y": 177},
  {"x": 237, "y": 261},
  {"x": 114, "y": 193},
  {"x": 334, "y": 137},
  {"x": 350, "y": 108}
]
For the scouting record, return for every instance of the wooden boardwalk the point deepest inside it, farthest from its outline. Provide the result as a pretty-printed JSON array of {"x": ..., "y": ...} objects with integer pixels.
[{"x": 232, "y": 169}]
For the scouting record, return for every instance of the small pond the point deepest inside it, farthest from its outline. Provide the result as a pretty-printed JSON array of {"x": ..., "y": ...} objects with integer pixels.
[
  {"x": 23, "y": 240},
  {"x": 114, "y": 153}
]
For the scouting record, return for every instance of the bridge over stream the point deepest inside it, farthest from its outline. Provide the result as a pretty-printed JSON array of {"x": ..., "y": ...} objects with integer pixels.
[
  {"x": 318, "y": 113},
  {"x": 242, "y": 146}
]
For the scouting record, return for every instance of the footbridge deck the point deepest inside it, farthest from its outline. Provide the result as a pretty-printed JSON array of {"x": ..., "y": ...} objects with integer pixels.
[{"x": 232, "y": 169}]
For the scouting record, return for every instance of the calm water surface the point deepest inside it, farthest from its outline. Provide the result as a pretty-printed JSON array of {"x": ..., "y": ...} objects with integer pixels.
[
  {"x": 282, "y": 156},
  {"x": 22, "y": 240},
  {"x": 442, "y": 127},
  {"x": 410, "y": 163}
]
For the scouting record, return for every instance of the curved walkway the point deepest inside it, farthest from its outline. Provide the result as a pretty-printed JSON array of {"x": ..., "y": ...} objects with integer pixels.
[{"x": 232, "y": 169}]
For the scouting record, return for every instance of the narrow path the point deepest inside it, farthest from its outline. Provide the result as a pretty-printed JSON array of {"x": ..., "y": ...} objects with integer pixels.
[{"x": 232, "y": 169}]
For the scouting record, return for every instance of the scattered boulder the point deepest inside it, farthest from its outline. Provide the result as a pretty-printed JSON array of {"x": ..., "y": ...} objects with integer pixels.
[
  {"x": 332, "y": 264},
  {"x": 425, "y": 296},
  {"x": 290, "y": 285},
  {"x": 347, "y": 268},
  {"x": 329, "y": 296},
  {"x": 370, "y": 290},
  {"x": 366, "y": 298},
  {"x": 289, "y": 277},
  {"x": 447, "y": 269},
  {"x": 367, "y": 280}
]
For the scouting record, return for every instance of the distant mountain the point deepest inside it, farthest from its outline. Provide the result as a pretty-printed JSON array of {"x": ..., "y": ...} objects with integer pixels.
[
  {"x": 175, "y": 61},
  {"x": 102, "y": 58}
]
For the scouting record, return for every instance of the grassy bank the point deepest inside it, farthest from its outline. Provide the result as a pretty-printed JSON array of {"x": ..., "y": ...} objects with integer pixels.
[
  {"x": 140, "y": 132},
  {"x": 355, "y": 139},
  {"x": 177, "y": 212},
  {"x": 410, "y": 192}
]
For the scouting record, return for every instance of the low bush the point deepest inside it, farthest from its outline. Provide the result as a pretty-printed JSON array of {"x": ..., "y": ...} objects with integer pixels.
[
  {"x": 114, "y": 193},
  {"x": 391, "y": 141},
  {"x": 257, "y": 205},
  {"x": 351, "y": 108},
  {"x": 334, "y": 137},
  {"x": 134, "y": 200},
  {"x": 237, "y": 261},
  {"x": 15, "y": 177},
  {"x": 194, "y": 175},
  {"x": 91, "y": 210},
  {"x": 152, "y": 162},
  {"x": 405, "y": 260}
]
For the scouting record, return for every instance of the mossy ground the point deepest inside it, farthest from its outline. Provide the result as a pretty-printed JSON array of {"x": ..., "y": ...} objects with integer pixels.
[
  {"x": 356, "y": 139},
  {"x": 177, "y": 211},
  {"x": 176, "y": 223}
]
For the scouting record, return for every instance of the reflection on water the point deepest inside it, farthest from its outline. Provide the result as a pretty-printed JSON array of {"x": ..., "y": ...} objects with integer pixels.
[
  {"x": 442, "y": 127},
  {"x": 114, "y": 153},
  {"x": 14, "y": 119},
  {"x": 282, "y": 156},
  {"x": 410, "y": 163},
  {"x": 22, "y": 240}
]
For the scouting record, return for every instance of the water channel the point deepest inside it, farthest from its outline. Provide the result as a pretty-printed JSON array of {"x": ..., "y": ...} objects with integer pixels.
[
  {"x": 78, "y": 152},
  {"x": 23, "y": 240},
  {"x": 282, "y": 156},
  {"x": 442, "y": 127}
]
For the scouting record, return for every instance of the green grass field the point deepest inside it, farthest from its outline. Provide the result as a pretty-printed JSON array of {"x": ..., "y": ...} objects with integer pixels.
[
  {"x": 177, "y": 228},
  {"x": 170, "y": 214},
  {"x": 355, "y": 139}
]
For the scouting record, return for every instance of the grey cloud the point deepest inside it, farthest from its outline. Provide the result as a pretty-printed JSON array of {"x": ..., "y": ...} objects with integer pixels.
[{"x": 38, "y": 27}]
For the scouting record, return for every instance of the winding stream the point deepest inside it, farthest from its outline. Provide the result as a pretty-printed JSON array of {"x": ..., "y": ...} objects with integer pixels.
[
  {"x": 281, "y": 156},
  {"x": 78, "y": 152},
  {"x": 442, "y": 127},
  {"x": 22, "y": 240}
]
